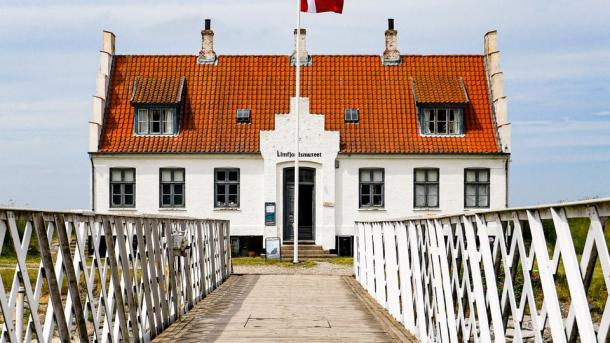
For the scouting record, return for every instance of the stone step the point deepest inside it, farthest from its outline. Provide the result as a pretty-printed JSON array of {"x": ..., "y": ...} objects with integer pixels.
[
  {"x": 310, "y": 256},
  {"x": 303, "y": 248}
]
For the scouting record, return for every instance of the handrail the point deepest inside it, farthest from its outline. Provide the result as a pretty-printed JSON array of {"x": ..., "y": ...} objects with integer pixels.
[
  {"x": 505, "y": 275},
  {"x": 107, "y": 278}
]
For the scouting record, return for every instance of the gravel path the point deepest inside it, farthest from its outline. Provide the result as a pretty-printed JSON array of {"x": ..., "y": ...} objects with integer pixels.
[{"x": 321, "y": 268}]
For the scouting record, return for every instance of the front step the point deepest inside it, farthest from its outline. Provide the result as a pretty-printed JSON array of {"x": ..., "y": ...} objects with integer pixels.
[{"x": 306, "y": 251}]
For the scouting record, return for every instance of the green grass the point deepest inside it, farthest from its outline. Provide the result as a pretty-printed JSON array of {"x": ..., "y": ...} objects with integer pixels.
[
  {"x": 344, "y": 261},
  {"x": 258, "y": 261}
]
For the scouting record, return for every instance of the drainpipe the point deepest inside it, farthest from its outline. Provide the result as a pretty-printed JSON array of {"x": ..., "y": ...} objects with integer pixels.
[
  {"x": 92, "y": 183},
  {"x": 506, "y": 180}
]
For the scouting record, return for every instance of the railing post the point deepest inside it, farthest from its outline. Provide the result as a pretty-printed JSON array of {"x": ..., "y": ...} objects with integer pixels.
[{"x": 19, "y": 314}]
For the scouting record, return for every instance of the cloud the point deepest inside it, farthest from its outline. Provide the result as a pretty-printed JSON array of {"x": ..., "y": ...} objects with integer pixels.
[{"x": 602, "y": 113}]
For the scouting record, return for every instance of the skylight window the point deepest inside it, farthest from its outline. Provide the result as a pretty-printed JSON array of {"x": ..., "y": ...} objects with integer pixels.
[
  {"x": 351, "y": 115},
  {"x": 243, "y": 115}
]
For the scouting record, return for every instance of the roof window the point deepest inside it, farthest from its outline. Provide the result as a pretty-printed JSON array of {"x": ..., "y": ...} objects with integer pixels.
[
  {"x": 350, "y": 115},
  {"x": 243, "y": 115}
]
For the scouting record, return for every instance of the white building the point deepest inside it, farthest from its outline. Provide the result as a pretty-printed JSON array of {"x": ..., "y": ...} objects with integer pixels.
[{"x": 381, "y": 137}]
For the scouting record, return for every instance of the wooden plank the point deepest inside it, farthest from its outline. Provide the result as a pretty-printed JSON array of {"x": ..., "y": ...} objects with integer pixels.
[
  {"x": 127, "y": 279},
  {"x": 212, "y": 239},
  {"x": 153, "y": 277},
  {"x": 114, "y": 274},
  {"x": 53, "y": 286},
  {"x": 391, "y": 268},
  {"x": 167, "y": 227},
  {"x": 145, "y": 262},
  {"x": 74, "y": 290},
  {"x": 380, "y": 284},
  {"x": 160, "y": 271},
  {"x": 405, "y": 273}
]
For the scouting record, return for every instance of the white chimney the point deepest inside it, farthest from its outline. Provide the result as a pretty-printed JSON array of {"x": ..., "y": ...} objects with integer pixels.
[
  {"x": 391, "y": 55},
  {"x": 101, "y": 89},
  {"x": 207, "y": 54},
  {"x": 496, "y": 87},
  {"x": 304, "y": 56}
]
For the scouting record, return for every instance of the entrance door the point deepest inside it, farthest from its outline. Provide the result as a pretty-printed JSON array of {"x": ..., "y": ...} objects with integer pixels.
[{"x": 307, "y": 216}]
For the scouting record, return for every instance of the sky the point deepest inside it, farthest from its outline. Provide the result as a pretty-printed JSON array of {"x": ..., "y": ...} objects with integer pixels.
[{"x": 555, "y": 56}]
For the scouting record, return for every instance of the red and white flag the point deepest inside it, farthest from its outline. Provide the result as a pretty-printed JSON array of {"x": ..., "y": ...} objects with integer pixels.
[{"x": 319, "y": 6}]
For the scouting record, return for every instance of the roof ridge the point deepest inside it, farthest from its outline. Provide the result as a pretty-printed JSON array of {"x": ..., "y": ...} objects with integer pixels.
[{"x": 314, "y": 55}]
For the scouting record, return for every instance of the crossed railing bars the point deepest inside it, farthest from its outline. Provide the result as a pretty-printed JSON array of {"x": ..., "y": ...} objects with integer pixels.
[
  {"x": 509, "y": 275},
  {"x": 103, "y": 278}
]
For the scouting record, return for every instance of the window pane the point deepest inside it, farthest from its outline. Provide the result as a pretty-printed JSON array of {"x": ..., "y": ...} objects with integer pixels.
[
  {"x": 471, "y": 176},
  {"x": 168, "y": 122},
  {"x": 377, "y": 200},
  {"x": 432, "y": 175},
  {"x": 178, "y": 175},
  {"x": 365, "y": 200},
  {"x": 166, "y": 200},
  {"x": 378, "y": 189},
  {"x": 166, "y": 189},
  {"x": 365, "y": 175},
  {"x": 483, "y": 190},
  {"x": 128, "y": 175},
  {"x": 433, "y": 190},
  {"x": 430, "y": 127},
  {"x": 366, "y": 189},
  {"x": 432, "y": 201},
  {"x": 128, "y": 200},
  {"x": 116, "y": 175},
  {"x": 128, "y": 188},
  {"x": 116, "y": 200},
  {"x": 471, "y": 190},
  {"x": 116, "y": 189},
  {"x": 178, "y": 189},
  {"x": 178, "y": 200},
  {"x": 420, "y": 175},
  {"x": 483, "y": 176},
  {"x": 442, "y": 127},
  {"x": 442, "y": 115},
  {"x": 233, "y": 175},
  {"x": 420, "y": 190},
  {"x": 220, "y": 189},
  {"x": 232, "y": 189},
  {"x": 377, "y": 175},
  {"x": 166, "y": 175},
  {"x": 220, "y": 175},
  {"x": 471, "y": 201},
  {"x": 483, "y": 200},
  {"x": 220, "y": 200},
  {"x": 233, "y": 200},
  {"x": 142, "y": 121},
  {"x": 420, "y": 201}
]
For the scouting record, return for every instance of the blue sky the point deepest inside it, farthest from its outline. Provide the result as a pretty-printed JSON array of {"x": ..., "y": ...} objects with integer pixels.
[{"x": 555, "y": 56}]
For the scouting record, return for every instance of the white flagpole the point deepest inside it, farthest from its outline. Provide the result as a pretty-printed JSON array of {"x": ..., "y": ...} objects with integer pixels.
[{"x": 295, "y": 225}]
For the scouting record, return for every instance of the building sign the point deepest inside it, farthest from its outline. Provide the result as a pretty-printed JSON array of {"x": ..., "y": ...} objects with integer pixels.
[
  {"x": 290, "y": 154},
  {"x": 272, "y": 246},
  {"x": 269, "y": 214}
]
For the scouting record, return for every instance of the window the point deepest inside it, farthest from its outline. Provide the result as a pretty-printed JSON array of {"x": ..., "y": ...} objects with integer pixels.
[
  {"x": 476, "y": 188},
  {"x": 351, "y": 115},
  {"x": 371, "y": 187},
  {"x": 122, "y": 187},
  {"x": 171, "y": 187},
  {"x": 156, "y": 121},
  {"x": 426, "y": 188},
  {"x": 243, "y": 115},
  {"x": 226, "y": 187},
  {"x": 442, "y": 121}
]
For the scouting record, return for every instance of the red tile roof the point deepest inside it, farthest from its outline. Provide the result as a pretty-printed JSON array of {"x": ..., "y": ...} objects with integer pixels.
[
  {"x": 388, "y": 117},
  {"x": 439, "y": 90},
  {"x": 163, "y": 90}
]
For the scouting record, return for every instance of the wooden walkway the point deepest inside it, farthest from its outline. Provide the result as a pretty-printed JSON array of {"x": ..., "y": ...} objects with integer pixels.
[{"x": 284, "y": 308}]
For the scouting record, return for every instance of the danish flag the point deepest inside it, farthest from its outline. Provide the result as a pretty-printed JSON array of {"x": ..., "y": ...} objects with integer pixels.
[{"x": 319, "y": 6}]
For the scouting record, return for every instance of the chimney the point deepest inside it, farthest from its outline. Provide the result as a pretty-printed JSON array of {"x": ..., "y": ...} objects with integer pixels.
[
  {"x": 101, "y": 90},
  {"x": 304, "y": 57},
  {"x": 391, "y": 55},
  {"x": 207, "y": 54},
  {"x": 496, "y": 88}
]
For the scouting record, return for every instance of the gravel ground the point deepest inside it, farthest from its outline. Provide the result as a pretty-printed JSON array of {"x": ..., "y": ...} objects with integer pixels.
[{"x": 321, "y": 268}]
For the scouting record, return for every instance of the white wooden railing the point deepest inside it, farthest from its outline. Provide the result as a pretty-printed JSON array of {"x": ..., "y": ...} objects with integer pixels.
[
  {"x": 509, "y": 275},
  {"x": 60, "y": 284}
]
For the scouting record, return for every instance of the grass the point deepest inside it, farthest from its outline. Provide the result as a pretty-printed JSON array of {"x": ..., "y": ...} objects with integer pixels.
[
  {"x": 258, "y": 261},
  {"x": 344, "y": 261}
]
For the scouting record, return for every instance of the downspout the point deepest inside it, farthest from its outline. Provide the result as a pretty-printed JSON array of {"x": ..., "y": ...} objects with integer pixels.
[
  {"x": 92, "y": 183},
  {"x": 507, "y": 180}
]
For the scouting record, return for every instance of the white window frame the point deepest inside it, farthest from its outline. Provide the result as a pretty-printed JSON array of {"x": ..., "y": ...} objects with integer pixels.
[
  {"x": 453, "y": 127},
  {"x": 167, "y": 121}
]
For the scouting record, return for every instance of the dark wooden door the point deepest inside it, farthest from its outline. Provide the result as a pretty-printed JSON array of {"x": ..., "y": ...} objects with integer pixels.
[{"x": 306, "y": 203}]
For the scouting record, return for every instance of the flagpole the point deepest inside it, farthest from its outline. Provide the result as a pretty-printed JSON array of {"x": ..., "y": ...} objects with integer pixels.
[{"x": 295, "y": 226}]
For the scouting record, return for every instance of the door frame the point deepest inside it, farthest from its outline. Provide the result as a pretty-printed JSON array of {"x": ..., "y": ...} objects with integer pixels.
[{"x": 285, "y": 211}]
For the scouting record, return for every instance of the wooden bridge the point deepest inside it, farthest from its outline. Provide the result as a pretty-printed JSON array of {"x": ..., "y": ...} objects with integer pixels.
[{"x": 530, "y": 274}]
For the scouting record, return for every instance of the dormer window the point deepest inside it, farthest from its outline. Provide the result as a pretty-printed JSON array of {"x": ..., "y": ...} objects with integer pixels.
[
  {"x": 442, "y": 121},
  {"x": 157, "y": 103},
  {"x": 243, "y": 115},
  {"x": 156, "y": 121},
  {"x": 441, "y": 103},
  {"x": 350, "y": 115}
]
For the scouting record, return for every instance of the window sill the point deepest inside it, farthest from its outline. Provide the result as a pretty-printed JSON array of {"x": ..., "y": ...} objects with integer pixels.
[
  {"x": 366, "y": 209},
  {"x": 461, "y": 135},
  {"x": 427, "y": 209},
  {"x": 172, "y": 209},
  {"x": 222, "y": 209},
  {"x": 123, "y": 209},
  {"x": 156, "y": 134}
]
